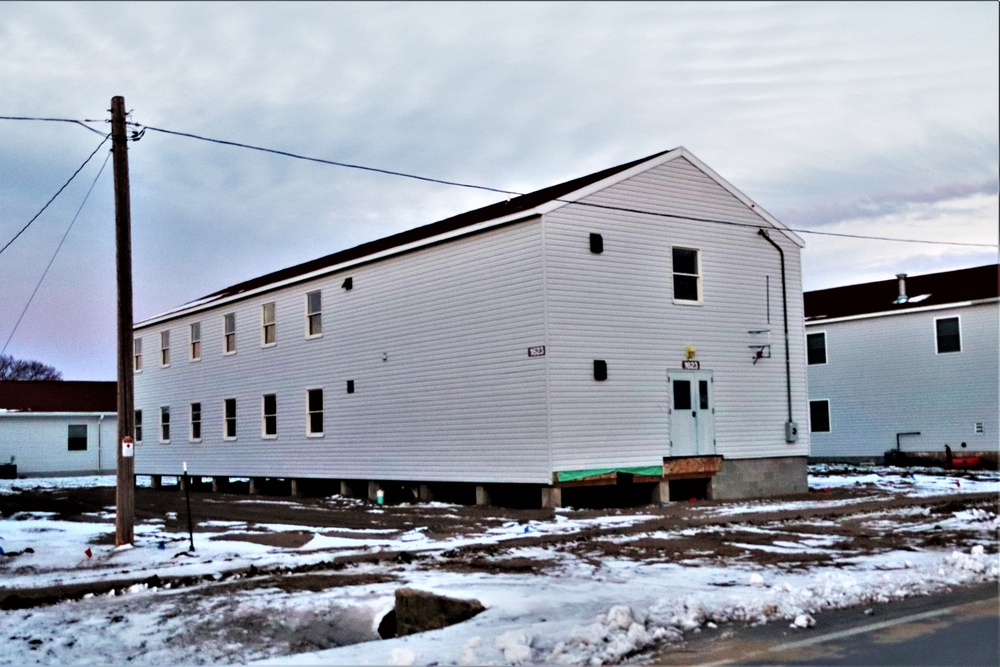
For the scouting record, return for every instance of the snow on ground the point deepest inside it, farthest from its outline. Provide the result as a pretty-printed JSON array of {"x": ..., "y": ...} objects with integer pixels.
[{"x": 581, "y": 610}]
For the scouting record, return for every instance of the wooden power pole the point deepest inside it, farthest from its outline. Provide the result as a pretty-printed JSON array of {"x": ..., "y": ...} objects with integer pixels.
[{"x": 125, "y": 489}]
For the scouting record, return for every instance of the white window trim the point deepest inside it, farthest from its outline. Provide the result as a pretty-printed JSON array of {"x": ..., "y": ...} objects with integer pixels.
[
  {"x": 263, "y": 325},
  {"x": 826, "y": 348},
  {"x": 829, "y": 415},
  {"x": 192, "y": 341},
  {"x": 320, "y": 313},
  {"x": 137, "y": 425},
  {"x": 225, "y": 335},
  {"x": 159, "y": 425},
  {"x": 310, "y": 434},
  {"x": 263, "y": 417},
  {"x": 225, "y": 417},
  {"x": 961, "y": 343},
  {"x": 165, "y": 349},
  {"x": 201, "y": 421},
  {"x": 137, "y": 355},
  {"x": 699, "y": 275}
]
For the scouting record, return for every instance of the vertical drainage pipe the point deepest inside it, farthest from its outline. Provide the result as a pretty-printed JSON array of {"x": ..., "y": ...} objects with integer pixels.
[{"x": 784, "y": 308}]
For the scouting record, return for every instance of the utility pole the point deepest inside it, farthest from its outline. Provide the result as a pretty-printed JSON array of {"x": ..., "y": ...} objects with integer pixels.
[{"x": 125, "y": 489}]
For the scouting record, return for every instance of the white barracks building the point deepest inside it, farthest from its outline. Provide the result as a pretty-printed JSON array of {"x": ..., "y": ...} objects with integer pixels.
[{"x": 638, "y": 328}]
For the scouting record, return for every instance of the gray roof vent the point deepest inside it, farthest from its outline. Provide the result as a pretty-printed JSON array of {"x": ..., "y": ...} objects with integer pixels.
[{"x": 902, "y": 298}]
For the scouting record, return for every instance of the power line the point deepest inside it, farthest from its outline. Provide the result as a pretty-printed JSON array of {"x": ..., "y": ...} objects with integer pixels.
[
  {"x": 58, "y": 192},
  {"x": 81, "y": 123},
  {"x": 53, "y": 259},
  {"x": 330, "y": 162},
  {"x": 565, "y": 201}
]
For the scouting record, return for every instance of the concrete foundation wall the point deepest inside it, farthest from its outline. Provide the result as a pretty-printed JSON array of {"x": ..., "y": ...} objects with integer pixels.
[{"x": 758, "y": 478}]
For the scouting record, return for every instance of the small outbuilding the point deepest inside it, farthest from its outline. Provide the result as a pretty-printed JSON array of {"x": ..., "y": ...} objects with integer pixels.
[
  {"x": 906, "y": 366},
  {"x": 56, "y": 427},
  {"x": 641, "y": 326}
]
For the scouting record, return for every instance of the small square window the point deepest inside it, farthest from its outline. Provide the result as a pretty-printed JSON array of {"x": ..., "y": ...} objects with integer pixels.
[
  {"x": 819, "y": 416},
  {"x": 687, "y": 275},
  {"x": 77, "y": 438},
  {"x": 314, "y": 313},
  {"x": 949, "y": 334},
  {"x": 816, "y": 348},
  {"x": 269, "y": 333}
]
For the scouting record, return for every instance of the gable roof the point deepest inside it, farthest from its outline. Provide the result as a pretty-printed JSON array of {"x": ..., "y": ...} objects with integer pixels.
[
  {"x": 58, "y": 396},
  {"x": 932, "y": 289},
  {"x": 514, "y": 209}
]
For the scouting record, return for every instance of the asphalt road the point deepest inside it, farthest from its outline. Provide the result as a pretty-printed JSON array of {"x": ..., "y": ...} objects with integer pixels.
[{"x": 957, "y": 628}]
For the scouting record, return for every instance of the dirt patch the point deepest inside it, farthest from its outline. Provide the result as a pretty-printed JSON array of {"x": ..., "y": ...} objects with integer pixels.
[
  {"x": 500, "y": 566},
  {"x": 292, "y": 539}
]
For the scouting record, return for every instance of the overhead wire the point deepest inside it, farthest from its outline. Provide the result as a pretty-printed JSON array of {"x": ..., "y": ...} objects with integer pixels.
[
  {"x": 58, "y": 192},
  {"x": 54, "y": 254},
  {"x": 81, "y": 123},
  {"x": 561, "y": 200}
]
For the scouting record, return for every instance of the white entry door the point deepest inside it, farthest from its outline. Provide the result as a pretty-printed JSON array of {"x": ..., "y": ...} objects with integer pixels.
[{"x": 692, "y": 413}]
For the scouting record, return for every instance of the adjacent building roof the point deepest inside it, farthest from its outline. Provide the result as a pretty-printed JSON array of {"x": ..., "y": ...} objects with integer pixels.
[
  {"x": 58, "y": 396},
  {"x": 932, "y": 289}
]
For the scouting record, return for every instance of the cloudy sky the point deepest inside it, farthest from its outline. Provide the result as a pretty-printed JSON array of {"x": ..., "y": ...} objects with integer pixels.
[{"x": 864, "y": 118}]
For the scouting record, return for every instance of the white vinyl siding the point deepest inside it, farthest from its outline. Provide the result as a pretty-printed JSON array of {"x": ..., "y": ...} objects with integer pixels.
[
  {"x": 619, "y": 306},
  {"x": 885, "y": 377},
  {"x": 41, "y": 443},
  {"x": 453, "y": 322}
]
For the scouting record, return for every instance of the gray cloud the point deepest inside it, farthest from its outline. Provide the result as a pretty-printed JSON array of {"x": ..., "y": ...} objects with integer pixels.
[{"x": 821, "y": 112}]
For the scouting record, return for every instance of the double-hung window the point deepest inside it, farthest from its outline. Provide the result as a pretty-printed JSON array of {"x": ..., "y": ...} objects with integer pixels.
[
  {"x": 137, "y": 355},
  {"x": 314, "y": 313},
  {"x": 165, "y": 424},
  {"x": 138, "y": 426},
  {"x": 195, "y": 341},
  {"x": 229, "y": 427},
  {"x": 196, "y": 422},
  {"x": 816, "y": 348},
  {"x": 229, "y": 333},
  {"x": 314, "y": 412},
  {"x": 687, "y": 275},
  {"x": 268, "y": 327},
  {"x": 948, "y": 332},
  {"x": 165, "y": 348},
  {"x": 269, "y": 421}
]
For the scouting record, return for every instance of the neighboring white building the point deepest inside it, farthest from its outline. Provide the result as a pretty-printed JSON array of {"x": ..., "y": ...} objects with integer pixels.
[
  {"x": 582, "y": 334},
  {"x": 58, "y": 427},
  {"x": 910, "y": 362}
]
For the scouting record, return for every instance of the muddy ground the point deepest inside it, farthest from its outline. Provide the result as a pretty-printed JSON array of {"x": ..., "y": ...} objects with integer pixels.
[{"x": 725, "y": 537}]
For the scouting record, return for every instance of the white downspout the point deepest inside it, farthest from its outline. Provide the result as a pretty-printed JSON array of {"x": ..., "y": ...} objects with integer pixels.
[{"x": 100, "y": 418}]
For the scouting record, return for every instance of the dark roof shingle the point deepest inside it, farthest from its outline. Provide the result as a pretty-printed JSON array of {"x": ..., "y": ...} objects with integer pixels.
[{"x": 932, "y": 289}]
